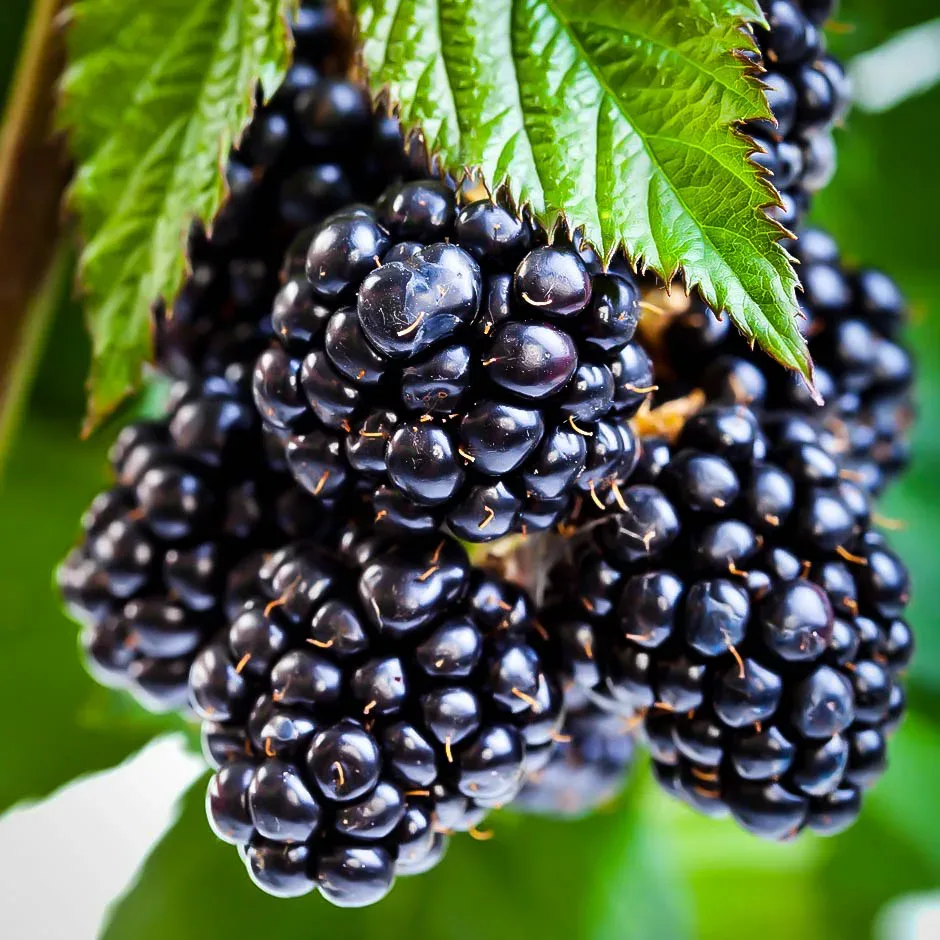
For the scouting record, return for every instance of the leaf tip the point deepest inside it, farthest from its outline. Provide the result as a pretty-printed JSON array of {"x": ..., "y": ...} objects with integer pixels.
[{"x": 808, "y": 376}]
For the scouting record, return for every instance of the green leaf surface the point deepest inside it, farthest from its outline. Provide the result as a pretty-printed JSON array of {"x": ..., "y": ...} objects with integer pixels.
[
  {"x": 616, "y": 115},
  {"x": 603, "y": 878},
  {"x": 155, "y": 95}
]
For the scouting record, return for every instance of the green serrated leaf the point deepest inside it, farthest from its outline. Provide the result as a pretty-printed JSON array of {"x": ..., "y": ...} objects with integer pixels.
[
  {"x": 617, "y": 114},
  {"x": 155, "y": 95}
]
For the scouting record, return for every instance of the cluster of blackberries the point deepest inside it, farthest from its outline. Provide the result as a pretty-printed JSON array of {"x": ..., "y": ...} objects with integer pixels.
[
  {"x": 852, "y": 319},
  {"x": 359, "y": 712},
  {"x": 808, "y": 92},
  {"x": 471, "y": 373},
  {"x": 743, "y": 601},
  {"x": 370, "y": 364},
  {"x": 167, "y": 550}
]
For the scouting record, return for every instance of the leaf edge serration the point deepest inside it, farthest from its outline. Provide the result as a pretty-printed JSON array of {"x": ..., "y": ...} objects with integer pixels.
[{"x": 793, "y": 353}]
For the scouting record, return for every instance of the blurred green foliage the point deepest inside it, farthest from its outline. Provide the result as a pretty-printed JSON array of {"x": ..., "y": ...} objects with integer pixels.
[
  {"x": 645, "y": 869},
  {"x": 13, "y": 14},
  {"x": 49, "y": 478},
  {"x": 603, "y": 878}
]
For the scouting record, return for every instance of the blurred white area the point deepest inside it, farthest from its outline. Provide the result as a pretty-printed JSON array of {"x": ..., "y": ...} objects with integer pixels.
[
  {"x": 912, "y": 917},
  {"x": 906, "y": 65},
  {"x": 65, "y": 859}
]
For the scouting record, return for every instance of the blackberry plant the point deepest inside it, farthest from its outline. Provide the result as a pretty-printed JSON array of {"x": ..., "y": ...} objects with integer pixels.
[
  {"x": 316, "y": 146},
  {"x": 357, "y": 715},
  {"x": 744, "y": 602},
  {"x": 405, "y": 274},
  {"x": 203, "y": 491}
]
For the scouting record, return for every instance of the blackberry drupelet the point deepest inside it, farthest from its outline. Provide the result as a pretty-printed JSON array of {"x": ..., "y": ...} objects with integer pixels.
[
  {"x": 745, "y": 603},
  {"x": 314, "y": 147},
  {"x": 808, "y": 92},
  {"x": 853, "y": 320},
  {"x": 473, "y": 374},
  {"x": 587, "y": 769},
  {"x": 357, "y": 713},
  {"x": 174, "y": 540}
]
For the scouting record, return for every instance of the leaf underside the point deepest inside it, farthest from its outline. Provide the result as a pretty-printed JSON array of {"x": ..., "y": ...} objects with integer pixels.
[
  {"x": 616, "y": 116},
  {"x": 154, "y": 97}
]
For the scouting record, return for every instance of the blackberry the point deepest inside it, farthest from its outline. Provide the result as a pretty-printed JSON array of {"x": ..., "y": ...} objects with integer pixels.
[
  {"x": 586, "y": 770},
  {"x": 361, "y": 707},
  {"x": 853, "y": 320},
  {"x": 314, "y": 147},
  {"x": 473, "y": 374},
  {"x": 760, "y": 626},
  {"x": 808, "y": 93},
  {"x": 176, "y": 538}
]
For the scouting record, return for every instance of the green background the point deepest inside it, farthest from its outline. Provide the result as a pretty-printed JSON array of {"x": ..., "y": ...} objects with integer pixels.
[{"x": 645, "y": 868}]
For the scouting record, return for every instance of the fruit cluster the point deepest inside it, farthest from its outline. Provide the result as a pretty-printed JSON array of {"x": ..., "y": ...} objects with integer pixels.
[
  {"x": 468, "y": 371},
  {"x": 371, "y": 365},
  {"x": 167, "y": 551},
  {"x": 358, "y": 711},
  {"x": 743, "y": 603},
  {"x": 200, "y": 492}
]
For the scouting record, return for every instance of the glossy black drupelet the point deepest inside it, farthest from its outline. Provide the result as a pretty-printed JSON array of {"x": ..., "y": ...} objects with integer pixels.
[
  {"x": 472, "y": 374},
  {"x": 854, "y": 321},
  {"x": 808, "y": 93},
  {"x": 743, "y": 600},
  {"x": 314, "y": 147},
  {"x": 361, "y": 707},
  {"x": 174, "y": 540},
  {"x": 588, "y": 768}
]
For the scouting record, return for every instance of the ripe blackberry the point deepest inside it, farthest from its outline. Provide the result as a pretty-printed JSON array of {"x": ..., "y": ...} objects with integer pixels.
[
  {"x": 586, "y": 770},
  {"x": 759, "y": 624},
  {"x": 315, "y": 147},
  {"x": 808, "y": 93},
  {"x": 473, "y": 374},
  {"x": 175, "y": 539},
  {"x": 358, "y": 714},
  {"x": 853, "y": 320}
]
